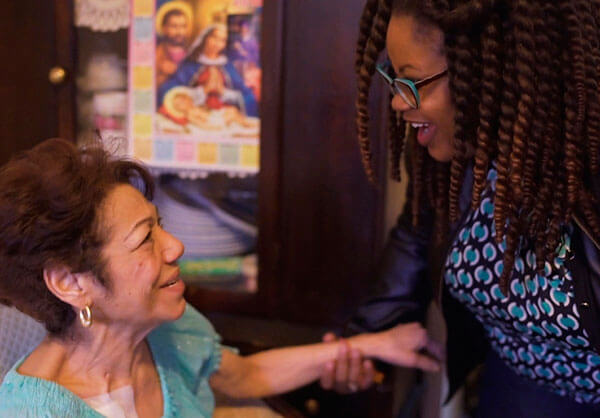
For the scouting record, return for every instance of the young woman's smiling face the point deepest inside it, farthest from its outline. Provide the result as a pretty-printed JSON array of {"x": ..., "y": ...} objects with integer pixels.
[
  {"x": 416, "y": 52},
  {"x": 144, "y": 288}
]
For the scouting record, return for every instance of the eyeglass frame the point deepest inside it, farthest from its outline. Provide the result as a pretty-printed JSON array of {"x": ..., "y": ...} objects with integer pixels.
[{"x": 412, "y": 85}]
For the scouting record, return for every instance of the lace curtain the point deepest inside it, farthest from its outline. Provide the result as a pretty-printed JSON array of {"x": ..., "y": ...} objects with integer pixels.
[{"x": 102, "y": 15}]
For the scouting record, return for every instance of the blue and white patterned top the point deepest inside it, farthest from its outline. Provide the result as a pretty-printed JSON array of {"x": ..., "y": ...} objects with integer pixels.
[{"x": 536, "y": 328}]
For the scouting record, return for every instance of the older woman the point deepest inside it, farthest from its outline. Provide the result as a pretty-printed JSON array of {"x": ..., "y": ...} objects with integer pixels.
[{"x": 83, "y": 251}]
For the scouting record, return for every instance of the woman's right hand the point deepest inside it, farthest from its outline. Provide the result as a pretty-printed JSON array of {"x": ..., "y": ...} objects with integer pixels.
[{"x": 349, "y": 372}]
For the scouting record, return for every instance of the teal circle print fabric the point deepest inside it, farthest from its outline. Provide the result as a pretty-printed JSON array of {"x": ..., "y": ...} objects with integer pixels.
[{"x": 535, "y": 328}]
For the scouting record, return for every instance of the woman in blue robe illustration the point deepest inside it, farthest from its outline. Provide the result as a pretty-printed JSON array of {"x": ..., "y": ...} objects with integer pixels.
[{"x": 215, "y": 80}]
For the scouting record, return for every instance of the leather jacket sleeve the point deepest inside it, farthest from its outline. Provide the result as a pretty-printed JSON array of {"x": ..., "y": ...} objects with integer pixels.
[
  {"x": 402, "y": 289},
  {"x": 409, "y": 266}
]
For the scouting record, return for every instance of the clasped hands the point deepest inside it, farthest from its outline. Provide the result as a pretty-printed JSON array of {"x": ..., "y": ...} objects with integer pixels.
[{"x": 406, "y": 345}]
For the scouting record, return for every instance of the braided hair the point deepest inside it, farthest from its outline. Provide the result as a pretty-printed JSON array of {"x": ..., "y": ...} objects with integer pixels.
[{"x": 524, "y": 77}]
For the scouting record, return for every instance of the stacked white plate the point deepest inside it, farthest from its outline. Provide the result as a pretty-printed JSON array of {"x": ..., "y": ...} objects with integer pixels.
[{"x": 203, "y": 234}]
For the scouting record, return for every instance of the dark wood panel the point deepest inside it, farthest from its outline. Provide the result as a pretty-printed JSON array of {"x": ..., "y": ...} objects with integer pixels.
[
  {"x": 269, "y": 189},
  {"x": 33, "y": 109},
  {"x": 330, "y": 214},
  {"x": 66, "y": 47},
  {"x": 26, "y": 51}
]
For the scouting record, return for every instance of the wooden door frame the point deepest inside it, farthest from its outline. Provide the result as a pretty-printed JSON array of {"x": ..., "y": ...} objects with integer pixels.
[{"x": 65, "y": 57}]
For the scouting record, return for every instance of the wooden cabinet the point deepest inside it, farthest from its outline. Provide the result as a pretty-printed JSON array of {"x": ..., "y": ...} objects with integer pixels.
[
  {"x": 36, "y": 36},
  {"x": 320, "y": 221},
  {"x": 319, "y": 218}
]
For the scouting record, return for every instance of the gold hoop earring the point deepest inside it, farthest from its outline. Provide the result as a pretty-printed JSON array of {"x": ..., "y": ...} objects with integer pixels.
[{"x": 85, "y": 316}]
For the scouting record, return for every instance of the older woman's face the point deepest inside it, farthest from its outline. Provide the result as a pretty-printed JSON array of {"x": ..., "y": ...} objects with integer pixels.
[
  {"x": 145, "y": 288},
  {"x": 415, "y": 53}
]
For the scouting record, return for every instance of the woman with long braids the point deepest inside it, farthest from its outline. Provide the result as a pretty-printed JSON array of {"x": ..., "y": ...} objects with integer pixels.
[{"x": 495, "y": 104}]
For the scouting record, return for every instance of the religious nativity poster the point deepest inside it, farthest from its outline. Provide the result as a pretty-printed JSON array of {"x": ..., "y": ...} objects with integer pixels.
[{"x": 195, "y": 85}]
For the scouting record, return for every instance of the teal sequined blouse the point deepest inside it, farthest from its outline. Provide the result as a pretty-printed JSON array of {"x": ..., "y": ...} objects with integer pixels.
[{"x": 186, "y": 352}]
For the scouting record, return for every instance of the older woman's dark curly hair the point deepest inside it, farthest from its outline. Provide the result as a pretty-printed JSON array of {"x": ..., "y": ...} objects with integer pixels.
[
  {"x": 524, "y": 79},
  {"x": 49, "y": 201}
]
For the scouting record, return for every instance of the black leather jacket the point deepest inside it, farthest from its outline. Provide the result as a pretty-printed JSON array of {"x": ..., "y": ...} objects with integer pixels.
[{"x": 410, "y": 273}]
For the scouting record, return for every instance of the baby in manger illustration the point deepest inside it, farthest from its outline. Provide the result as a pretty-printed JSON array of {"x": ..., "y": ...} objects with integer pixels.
[{"x": 180, "y": 109}]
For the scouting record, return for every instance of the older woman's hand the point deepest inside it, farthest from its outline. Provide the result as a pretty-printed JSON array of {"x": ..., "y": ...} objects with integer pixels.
[
  {"x": 349, "y": 372},
  {"x": 409, "y": 345}
]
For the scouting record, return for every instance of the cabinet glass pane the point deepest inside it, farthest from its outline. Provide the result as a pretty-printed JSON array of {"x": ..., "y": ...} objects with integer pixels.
[{"x": 179, "y": 89}]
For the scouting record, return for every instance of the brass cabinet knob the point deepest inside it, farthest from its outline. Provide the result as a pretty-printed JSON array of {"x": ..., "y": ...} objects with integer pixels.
[
  {"x": 312, "y": 406},
  {"x": 57, "y": 75}
]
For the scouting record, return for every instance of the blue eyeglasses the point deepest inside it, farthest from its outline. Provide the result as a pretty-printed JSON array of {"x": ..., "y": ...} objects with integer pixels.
[{"x": 405, "y": 88}]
